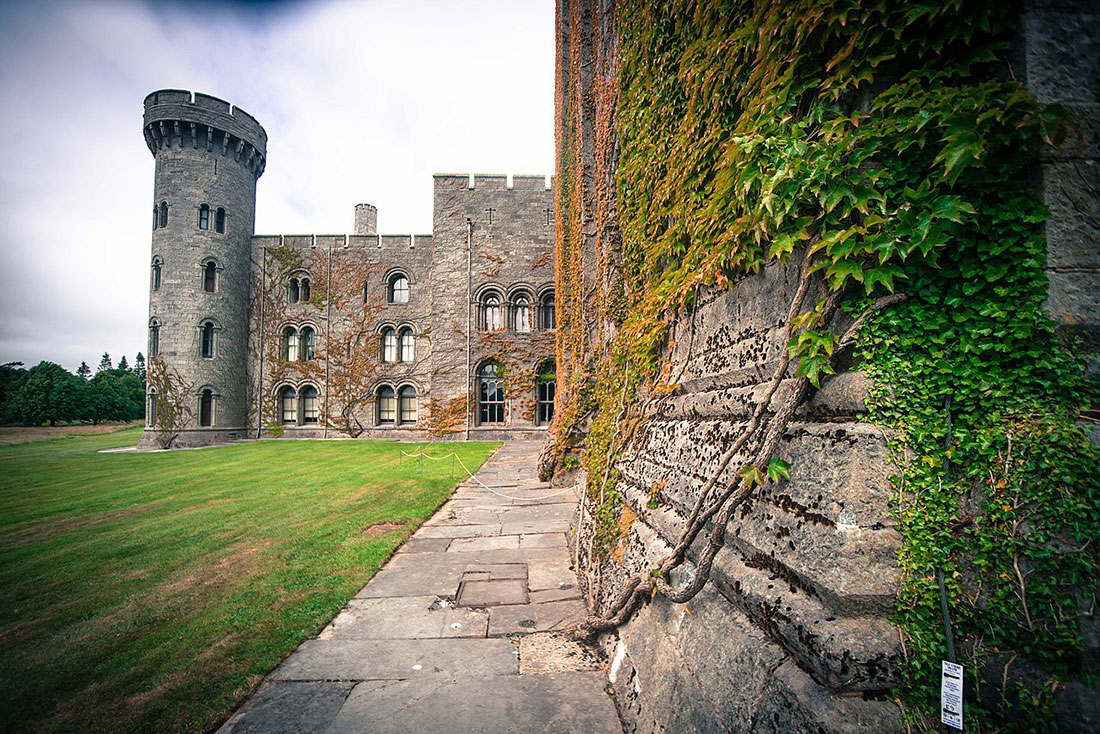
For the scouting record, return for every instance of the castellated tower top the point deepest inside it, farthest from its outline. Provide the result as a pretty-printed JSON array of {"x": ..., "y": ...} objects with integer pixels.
[{"x": 181, "y": 118}]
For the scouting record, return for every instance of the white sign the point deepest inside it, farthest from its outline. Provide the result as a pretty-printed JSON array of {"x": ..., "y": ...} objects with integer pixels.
[{"x": 951, "y": 695}]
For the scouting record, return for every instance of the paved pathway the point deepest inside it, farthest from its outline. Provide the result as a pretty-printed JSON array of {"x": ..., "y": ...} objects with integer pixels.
[{"x": 458, "y": 632}]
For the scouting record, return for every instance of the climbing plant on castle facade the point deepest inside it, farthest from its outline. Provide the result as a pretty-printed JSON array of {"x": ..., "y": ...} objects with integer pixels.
[{"x": 880, "y": 150}]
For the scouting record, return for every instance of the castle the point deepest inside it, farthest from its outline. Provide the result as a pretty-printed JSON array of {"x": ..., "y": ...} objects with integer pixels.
[{"x": 449, "y": 334}]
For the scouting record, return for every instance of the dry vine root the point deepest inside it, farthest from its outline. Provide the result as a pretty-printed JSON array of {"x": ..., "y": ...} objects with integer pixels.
[{"x": 720, "y": 509}]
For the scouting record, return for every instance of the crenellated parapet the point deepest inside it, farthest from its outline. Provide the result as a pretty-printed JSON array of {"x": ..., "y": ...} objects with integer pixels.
[{"x": 178, "y": 118}]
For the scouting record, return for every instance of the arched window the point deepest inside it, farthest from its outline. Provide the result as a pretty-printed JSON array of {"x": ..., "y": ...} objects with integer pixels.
[
  {"x": 306, "y": 340},
  {"x": 154, "y": 338},
  {"x": 292, "y": 290},
  {"x": 545, "y": 387},
  {"x": 164, "y": 214},
  {"x": 204, "y": 216},
  {"x": 156, "y": 273},
  {"x": 490, "y": 312},
  {"x": 389, "y": 345},
  {"x": 490, "y": 394},
  {"x": 398, "y": 289},
  {"x": 304, "y": 290},
  {"x": 521, "y": 312},
  {"x": 290, "y": 344},
  {"x": 288, "y": 406},
  {"x": 406, "y": 400},
  {"x": 206, "y": 408},
  {"x": 310, "y": 410},
  {"x": 151, "y": 409},
  {"x": 546, "y": 311},
  {"x": 408, "y": 345},
  {"x": 208, "y": 340},
  {"x": 387, "y": 410},
  {"x": 156, "y": 216},
  {"x": 219, "y": 221},
  {"x": 210, "y": 276}
]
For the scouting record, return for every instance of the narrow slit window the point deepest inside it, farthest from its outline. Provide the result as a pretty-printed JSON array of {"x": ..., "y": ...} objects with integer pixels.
[
  {"x": 210, "y": 276},
  {"x": 206, "y": 408},
  {"x": 156, "y": 274},
  {"x": 204, "y": 217},
  {"x": 164, "y": 214},
  {"x": 208, "y": 340},
  {"x": 219, "y": 221}
]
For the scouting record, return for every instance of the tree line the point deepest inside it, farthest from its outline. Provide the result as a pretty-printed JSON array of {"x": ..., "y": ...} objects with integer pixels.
[{"x": 49, "y": 394}]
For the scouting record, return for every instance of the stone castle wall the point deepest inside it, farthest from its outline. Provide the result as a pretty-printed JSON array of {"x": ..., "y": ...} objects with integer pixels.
[{"x": 793, "y": 632}]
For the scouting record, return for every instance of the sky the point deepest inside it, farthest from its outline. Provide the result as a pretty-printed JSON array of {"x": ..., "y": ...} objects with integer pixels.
[{"x": 362, "y": 101}]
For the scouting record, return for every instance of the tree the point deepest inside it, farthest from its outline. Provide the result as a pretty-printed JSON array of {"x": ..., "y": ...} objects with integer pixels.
[
  {"x": 123, "y": 364},
  {"x": 12, "y": 377},
  {"x": 139, "y": 370},
  {"x": 84, "y": 371},
  {"x": 105, "y": 362},
  {"x": 50, "y": 394}
]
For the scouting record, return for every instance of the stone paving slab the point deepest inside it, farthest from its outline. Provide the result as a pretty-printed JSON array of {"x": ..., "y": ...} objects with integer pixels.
[
  {"x": 558, "y": 702},
  {"x": 458, "y": 632},
  {"x": 398, "y": 659}
]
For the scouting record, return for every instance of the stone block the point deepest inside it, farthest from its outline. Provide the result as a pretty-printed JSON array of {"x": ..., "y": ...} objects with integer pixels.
[
  {"x": 357, "y": 660},
  {"x": 289, "y": 708},
  {"x": 492, "y": 593},
  {"x": 1062, "y": 51},
  {"x": 526, "y": 618},
  {"x": 1072, "y": 191}
]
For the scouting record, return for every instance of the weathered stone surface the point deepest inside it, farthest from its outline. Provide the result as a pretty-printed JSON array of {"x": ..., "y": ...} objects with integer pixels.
[
  {"x": 1072, "y": 192},
  {"x": 535, "y": 617},
  {"x": 290, "y": 708},
  {"x": 412, "y": 617},
  {"x": 553, "y": 652},
  {"x": 397, "y": 659},
  {"x": 556, "y": 702},
  {"x": 1062, "y": 54},
  {"x": 492, "y": 593}
]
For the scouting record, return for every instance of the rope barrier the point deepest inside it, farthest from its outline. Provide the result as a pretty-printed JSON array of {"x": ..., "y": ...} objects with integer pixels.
[{"x": 483, "y": 484}]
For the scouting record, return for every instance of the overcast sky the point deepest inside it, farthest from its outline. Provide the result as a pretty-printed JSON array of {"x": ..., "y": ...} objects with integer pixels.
[{"x": 362, "y": 102}]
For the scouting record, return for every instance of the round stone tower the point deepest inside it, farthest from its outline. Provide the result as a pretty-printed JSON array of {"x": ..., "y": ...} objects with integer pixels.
[{"x": 209, "y": 155}]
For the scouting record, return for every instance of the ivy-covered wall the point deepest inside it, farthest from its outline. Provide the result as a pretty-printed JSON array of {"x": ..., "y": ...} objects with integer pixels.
[{"x": 829, "y": 287}]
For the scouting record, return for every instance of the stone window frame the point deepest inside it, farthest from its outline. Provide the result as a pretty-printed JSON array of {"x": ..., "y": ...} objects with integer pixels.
[
  {"x": 211, "y": 420},
  {"x": 298, "y": 286},
  {"x": 547, "y": 294},
  {"x": 388, "y": 344},
  {"x": 156, "y": 273},
  {"x": 204, "y": 216},
  {"x": 151, "y": 407},
  {"x": 153, "y": 346},
  {"x": 391, "y": 280},
  {"x": 486, "y": 408},
  {"x": 204, "y": 274},
  {"x": 385, "y": 413},
  {"x": 163, "y": 214},
  {"x": 545, "y": 403},
  {"x": 487, "y": 320},
  {"x": 281, "y": 398},
  {"x": 208, "y": 325},
  {"x": 406, "y": 355},
  {"x": 519, "y": 293},
  {"x": 402, "y": 396},
  {"x": 220, "y": 218}
]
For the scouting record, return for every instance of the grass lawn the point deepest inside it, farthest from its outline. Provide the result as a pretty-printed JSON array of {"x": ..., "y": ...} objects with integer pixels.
[{"x": 151, "y": 592}]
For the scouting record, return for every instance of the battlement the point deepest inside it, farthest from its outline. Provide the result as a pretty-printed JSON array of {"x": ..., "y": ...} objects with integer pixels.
[
  {"x": 182, "y": 118},
  {"x": 493, "y": 182},
  {"x": 383, "y": 242}
]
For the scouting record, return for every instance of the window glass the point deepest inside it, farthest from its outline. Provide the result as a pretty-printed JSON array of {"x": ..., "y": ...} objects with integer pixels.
[
  {"x": 306, "y": 344},
  {"x": 387, "y": 410},
  {"x": 206, "y": 408},
  {"x": 208, "y": 340},
  {"x": 490, "y": 394},
  {"x": 156, "y": 274},
  {"x": 164, "y": 214},
  {"x": 304, "y": 289},
  {"x": 522, "y": 318},
  {"x": 399, "y": 289},
  {"x": 210, "y": 276},
  {"x": 408, "y": 404},
  {"x": 490, "y": 317},
  {"x": 204, "y": 217},
  {"x": 547, "y": 386},
  {"x": 547, "y": 308},
  {"x": 310, "y": 411},
  {"x": 288, "y": 406},
  {"x": 292, "y": 290},
  {"x": 151, "y": 410},
  {"x": 408, "y": 346},
  {"x": 154, "y": 338},
  {"x": 290, "y": 344},
  {"x": 219, "y": 221},
  {"x": 389, "y": 346}
]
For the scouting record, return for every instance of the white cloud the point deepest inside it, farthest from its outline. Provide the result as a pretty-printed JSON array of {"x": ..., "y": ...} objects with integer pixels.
[{"x": 362, "y": 101}]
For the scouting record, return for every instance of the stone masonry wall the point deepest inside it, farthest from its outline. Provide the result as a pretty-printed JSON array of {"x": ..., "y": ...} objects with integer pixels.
[
  {"x": 511, "y": 253},
  {"x": 793, "y": 631}
]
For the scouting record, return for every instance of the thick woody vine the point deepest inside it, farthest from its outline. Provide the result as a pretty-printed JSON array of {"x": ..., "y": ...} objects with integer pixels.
[{"x": 881, "y": 152}]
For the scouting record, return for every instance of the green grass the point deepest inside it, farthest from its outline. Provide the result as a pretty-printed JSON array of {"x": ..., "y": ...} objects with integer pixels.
[{"x": 151, "y": 592}]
